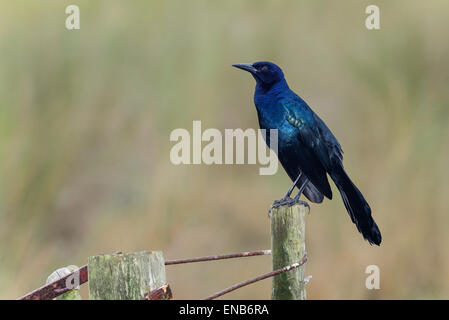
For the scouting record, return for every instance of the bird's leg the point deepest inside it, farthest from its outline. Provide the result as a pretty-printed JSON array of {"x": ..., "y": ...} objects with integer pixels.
[
  {"x": 289, "y": 192},
  {"x": 286, "y": 199},
  {"x": 296, "y": 198}
]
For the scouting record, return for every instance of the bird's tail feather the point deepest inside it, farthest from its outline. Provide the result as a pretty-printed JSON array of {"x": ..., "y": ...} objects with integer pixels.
[
  {"x": 357, "y": 207},
  {"x": 312, "y": 193}
]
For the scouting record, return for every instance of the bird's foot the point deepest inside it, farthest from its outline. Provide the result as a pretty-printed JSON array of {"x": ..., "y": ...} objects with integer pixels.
[
  {"x": 305, "y": 204},
  {"x": 287, "y": 201},
  {"x": 279, "y": 203}
]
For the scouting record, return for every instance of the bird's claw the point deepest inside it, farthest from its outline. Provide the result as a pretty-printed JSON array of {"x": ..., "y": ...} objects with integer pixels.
[
  {"x": 305, "y": 204},
  {"x": 287, "y": 201}
]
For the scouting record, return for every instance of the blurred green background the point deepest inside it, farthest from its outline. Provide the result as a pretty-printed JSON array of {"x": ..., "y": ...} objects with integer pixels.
[{"x": 85, "y": 119}]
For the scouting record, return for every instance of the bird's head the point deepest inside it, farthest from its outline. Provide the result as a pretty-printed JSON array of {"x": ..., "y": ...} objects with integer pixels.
[{"x": 265, "y": 73}]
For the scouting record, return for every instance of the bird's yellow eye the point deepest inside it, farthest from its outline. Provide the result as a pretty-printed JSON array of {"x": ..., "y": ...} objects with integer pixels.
[{"x": 264, "y": 69}]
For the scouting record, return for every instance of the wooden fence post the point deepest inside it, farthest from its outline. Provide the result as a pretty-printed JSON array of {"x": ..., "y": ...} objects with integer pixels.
[
  {"x": 125, "y": 276},
  {"x": 287, "y": 247}
]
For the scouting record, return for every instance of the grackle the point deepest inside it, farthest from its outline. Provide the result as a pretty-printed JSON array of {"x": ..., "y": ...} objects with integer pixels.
[{"x": 307, "y": 149}]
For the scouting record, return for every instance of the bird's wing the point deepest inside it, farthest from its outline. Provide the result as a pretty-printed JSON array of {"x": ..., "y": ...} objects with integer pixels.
[
  {"x": 332, "y": 144},
  {"x": 300, "y": 116},
  {"x": 313, "y": 132}
]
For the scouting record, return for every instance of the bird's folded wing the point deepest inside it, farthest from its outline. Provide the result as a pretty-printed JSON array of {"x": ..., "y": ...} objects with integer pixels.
[
  {"x": 307, "y": 130},
  {"x": 313, "y": 132},
  {"x": 333, "y": 146}
]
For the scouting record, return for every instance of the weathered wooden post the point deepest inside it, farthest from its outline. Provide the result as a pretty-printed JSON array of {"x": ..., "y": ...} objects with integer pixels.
[
  {"x": 288, "y": 247},
  {"x": 125, "y": 276}
]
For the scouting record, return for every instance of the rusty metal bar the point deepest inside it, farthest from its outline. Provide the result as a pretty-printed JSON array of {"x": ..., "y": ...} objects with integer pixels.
[
  {"x": 162, "y": 293},
  {"x": 54, "y": 289}
]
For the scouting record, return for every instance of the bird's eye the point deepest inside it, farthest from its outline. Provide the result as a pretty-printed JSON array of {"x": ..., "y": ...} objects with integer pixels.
[{"x": 264, "y": 69}]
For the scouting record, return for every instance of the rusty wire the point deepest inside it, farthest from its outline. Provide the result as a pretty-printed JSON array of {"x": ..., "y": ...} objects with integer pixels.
[
  {"x": 219, "y": 257},
  {"x": 261, "y": 277}
]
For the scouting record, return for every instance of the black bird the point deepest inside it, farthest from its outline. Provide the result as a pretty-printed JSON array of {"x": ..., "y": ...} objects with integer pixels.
[{"x": 307, "y": 149}]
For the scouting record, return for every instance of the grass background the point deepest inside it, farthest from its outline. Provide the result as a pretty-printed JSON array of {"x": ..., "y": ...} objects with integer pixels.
[{"x": 85, "y": 118}]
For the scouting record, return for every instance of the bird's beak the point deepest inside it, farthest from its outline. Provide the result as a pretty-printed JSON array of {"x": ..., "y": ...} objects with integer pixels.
[{"x": 245, "y": 66}]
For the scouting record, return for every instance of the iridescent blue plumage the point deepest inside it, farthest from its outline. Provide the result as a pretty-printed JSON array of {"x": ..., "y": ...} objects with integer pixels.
[{"x": 307, "y": 149}]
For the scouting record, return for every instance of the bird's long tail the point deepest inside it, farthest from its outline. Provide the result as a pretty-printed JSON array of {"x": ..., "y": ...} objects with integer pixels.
[{"x": 356, "y": 205}]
